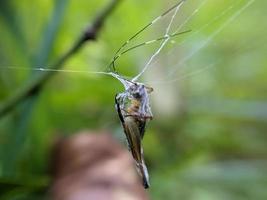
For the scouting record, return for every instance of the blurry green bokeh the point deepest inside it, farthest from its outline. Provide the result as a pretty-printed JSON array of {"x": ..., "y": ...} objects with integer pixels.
[{"x": 208, "y": 136}]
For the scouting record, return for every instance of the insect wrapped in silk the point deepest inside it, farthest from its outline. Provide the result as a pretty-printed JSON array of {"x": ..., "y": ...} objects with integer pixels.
[{"x": 134, "y": 111}]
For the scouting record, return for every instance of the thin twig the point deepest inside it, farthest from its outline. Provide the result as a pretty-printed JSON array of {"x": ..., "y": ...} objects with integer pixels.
[{"x": 36, "y": 83}]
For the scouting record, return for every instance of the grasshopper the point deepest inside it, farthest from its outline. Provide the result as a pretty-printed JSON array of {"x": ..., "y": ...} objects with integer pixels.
[{"x": 134, "y": 111}]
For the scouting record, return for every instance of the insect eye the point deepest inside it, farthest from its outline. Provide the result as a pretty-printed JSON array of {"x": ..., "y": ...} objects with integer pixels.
[{"x": 137, "y": 95}]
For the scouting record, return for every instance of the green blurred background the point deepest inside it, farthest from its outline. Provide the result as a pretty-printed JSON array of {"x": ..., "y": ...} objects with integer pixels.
[{"x": 208, "y": 136}]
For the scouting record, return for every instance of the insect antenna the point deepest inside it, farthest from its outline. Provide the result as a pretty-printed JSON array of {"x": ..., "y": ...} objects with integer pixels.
[
  {"x": 148, "y": 42},
  {"x": 115, "y": 57}
]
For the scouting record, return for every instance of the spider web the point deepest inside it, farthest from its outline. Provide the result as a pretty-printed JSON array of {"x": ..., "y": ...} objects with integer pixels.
[
  {"x": 171, "y": 74},
  {"x": 230, "y": 13},
  {"x": 162, "y": 44}
]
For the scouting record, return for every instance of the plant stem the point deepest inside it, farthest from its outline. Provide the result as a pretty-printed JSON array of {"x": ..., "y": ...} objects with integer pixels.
[{"x": 35, "y": 84}]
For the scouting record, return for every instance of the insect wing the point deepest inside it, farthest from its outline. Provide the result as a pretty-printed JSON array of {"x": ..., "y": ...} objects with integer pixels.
[
  {"x": 117, "y": 106},
  {"x": 132, "y": 131},
  {"x": 142, "y": 128}
]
